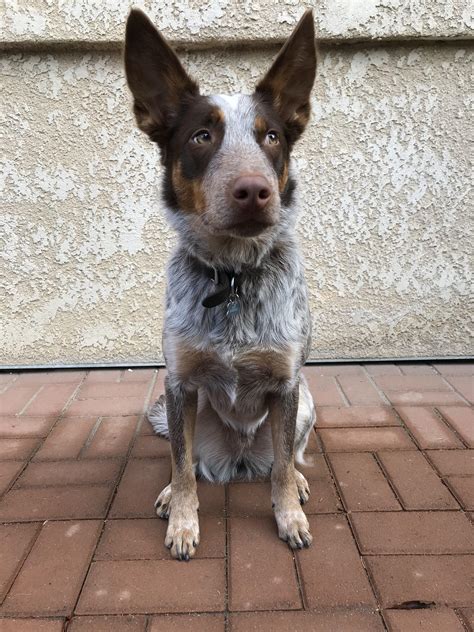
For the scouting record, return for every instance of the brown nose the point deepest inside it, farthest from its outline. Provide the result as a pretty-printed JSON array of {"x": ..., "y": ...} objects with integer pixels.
[{"x": 251, "y": 193}]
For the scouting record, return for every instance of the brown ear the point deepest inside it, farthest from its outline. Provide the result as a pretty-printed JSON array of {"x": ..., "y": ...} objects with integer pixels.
[
  {"x": 289, "y": 81},
  {"x": 155, "y": 76}
]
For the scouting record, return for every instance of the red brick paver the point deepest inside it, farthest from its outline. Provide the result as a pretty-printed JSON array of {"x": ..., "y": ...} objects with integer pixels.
[
  {"x": 463, "y": 384},
  {"x": 54, "y": 503},
  {"x": 365, "y": 439},
  {"x": 66, "y": 439},
  {"x": 15, "y": 543},
  {"x": 8, "y": 473},
  {"x": 12, "y": 427},
  {"x": 108, "y": 623},
  {"x": 384, "y": 533},
  {"x": 139, "y": 487},
  {"x": 427, "y": 428},
  {"x": 453, "y": 462},
  {"x": 440, "y": 619},
  {"x": 51, "y": 577},
  {"x": 332, "y": 571},
  {"x": 463, "y": 488},
  {"x": 391, "y": 510},
  {"x": 416, "y": 483},
  {"x": 262, "y": 569},
  {"x": 362, "y": 483},
  {"x": 462, "y": 421},
  {"x": 433, "y": 579},
  {"x": 31, "y": 625},
  {"x": 336, "y": 621},
  {"x": 143, "y": 539},
  {"x": 153, "y": 586},
  {"x": 356, "y": 416},
  {"x": 17, "y": 449}
]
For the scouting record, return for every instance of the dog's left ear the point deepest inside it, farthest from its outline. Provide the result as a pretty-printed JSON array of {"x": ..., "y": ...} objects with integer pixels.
[{"x": 287, "y": 85}]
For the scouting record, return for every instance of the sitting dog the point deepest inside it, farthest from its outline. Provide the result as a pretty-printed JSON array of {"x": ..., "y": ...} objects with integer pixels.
[{"x": 237, "y": 324}]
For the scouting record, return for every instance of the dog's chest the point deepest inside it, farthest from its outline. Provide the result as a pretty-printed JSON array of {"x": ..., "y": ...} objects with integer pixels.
[
  {"x": 236, "y": 357},
  {"x": 234, "y": 375}
]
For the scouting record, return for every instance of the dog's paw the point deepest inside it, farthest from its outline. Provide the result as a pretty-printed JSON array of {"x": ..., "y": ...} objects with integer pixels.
[
  {"x": 293, "y": 527},
  {"x": 182, "y": 535},
  {"x": 163, "y": 503},
  {"x": 303, "y": 487}
]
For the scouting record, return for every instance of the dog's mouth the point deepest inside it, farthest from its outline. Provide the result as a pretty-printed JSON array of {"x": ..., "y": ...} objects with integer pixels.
[{"x": 249, "y": 228}]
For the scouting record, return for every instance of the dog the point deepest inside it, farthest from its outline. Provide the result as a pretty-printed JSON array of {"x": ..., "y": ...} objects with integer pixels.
[{"x": 237, "y": 323}]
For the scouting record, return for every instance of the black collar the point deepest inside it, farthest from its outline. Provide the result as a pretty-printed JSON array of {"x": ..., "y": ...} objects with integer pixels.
[{"x": 227, "y": 290}]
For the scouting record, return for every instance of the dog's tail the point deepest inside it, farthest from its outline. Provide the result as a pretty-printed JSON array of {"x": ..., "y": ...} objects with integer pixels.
[{"x": 157, "y": 417}]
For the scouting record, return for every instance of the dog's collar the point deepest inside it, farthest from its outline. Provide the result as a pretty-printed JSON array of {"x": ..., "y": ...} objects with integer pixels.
[{"x": 227, "y": 282}]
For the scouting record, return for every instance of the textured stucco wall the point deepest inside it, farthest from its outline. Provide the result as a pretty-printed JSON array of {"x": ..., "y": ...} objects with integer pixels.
[
  {"x": 384, "y": 177},
  {"x": 210, "y": 22}
]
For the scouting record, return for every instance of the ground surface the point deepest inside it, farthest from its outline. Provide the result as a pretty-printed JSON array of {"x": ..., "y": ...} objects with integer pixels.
[{"x": 392, "y": 491}]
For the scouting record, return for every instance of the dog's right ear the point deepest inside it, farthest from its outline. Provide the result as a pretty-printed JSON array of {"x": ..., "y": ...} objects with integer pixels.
[{"x": 155, "y": 76}]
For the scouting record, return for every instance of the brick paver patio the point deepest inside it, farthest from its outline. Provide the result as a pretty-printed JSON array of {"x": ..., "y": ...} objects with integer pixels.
[{"x": 392, "y": 481}]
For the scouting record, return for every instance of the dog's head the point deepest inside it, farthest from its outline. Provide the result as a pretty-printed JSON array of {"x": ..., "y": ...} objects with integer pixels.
[{"x": 226, "y": 158}]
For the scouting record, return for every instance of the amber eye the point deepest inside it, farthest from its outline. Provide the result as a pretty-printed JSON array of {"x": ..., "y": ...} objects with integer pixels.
[
  {"x": 272, "y": 137},
  {"x": 201, "y": 137}
]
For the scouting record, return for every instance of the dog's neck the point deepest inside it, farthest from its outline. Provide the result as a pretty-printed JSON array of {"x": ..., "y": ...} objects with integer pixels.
[
  {"x": 231, "y": 253},
  {"x": 224, "y": 268}
]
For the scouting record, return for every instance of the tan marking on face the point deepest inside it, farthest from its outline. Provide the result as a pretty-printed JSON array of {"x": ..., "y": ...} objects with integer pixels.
[
  {"x": 283, "y": 178},
  {"x": 190, "y": 194},
  {"x": 218, "y": 115},
  {"x": 260, "y": 125}
]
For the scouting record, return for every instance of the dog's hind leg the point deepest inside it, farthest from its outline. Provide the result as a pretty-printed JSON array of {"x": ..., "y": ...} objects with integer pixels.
[
  {"x": 163, "y": 503},
  {"x": 157, "y": 417},
  {"x": 303, "y": 487}
]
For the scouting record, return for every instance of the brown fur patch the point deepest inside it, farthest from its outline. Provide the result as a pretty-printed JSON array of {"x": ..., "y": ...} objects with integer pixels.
[
  {"x": 301, "y": 116},
  {"x": 277, "y": 364},
  {"x": 189, "y": 365},
  {"x": 189, "y": 193},
  {"x": 218, "y": 116},
  {"x": 188, "y": 362},
  {"x": 283, "y": 178},
  {"x": 260, "y": 125}
]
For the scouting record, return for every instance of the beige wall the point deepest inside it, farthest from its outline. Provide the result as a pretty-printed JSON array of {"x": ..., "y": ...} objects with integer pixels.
[{"x": 383, "y": 171}]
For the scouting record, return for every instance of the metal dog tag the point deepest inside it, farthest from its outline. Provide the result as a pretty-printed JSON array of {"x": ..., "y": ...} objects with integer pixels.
[
  {"x": 233, "y": 302},
  {"x": 233, "y": 305}
]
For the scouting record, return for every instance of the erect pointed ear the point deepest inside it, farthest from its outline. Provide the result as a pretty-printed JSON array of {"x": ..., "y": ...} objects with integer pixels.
[
  {"x": 155, "y": 76},
  {"x": 287, "y": 85}
]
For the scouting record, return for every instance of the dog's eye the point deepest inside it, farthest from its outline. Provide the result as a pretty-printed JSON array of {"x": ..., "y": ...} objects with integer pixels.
[
  {"x": 272, "y": 137},
  {"x": 201, "y": 137}
]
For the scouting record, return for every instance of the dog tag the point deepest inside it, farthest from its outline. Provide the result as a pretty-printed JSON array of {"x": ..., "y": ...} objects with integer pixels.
[
  {"x": 233, "y": 302},
  {"x": 233, "y": 305}
]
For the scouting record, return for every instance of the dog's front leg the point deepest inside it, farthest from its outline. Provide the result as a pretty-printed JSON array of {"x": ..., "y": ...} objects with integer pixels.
[
  {"x": 292, "y": 523},
  {"x": 182, "y": 535}
]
